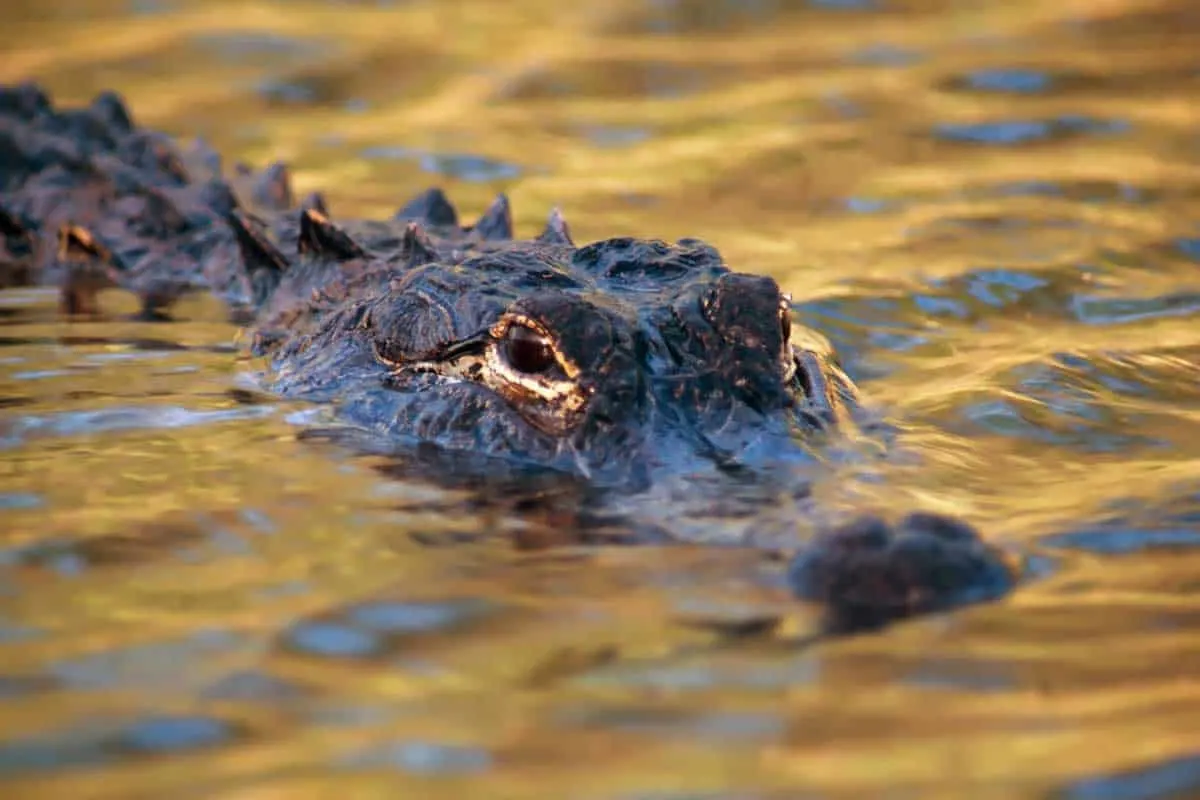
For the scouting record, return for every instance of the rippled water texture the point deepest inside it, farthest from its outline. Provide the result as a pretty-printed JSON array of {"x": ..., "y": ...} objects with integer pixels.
[{"x": 992, "y": 208}]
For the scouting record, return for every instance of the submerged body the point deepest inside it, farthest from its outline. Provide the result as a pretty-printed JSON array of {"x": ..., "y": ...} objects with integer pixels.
[{"x": 620, "y": 361}]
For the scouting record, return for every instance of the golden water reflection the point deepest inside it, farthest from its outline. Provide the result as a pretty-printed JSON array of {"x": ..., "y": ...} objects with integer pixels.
[{"x": 992, "y": 209}]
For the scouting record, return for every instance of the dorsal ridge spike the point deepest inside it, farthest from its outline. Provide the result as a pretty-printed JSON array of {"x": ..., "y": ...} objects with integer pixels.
[
  {"x": 316, "y": 202},
  {"x": 273, "y": 188},
  {"x": 557, "y": 231},
  {"x": 76, "y": 243},
  {"x": 430, "y": 207},
  {"x": 257, "y": 251},
  {"x": 496, "y": 223},
  {"x": 417, "y": 247},
  {"x": 321, "y": 238},
  {"x": 111, "y": 109}
]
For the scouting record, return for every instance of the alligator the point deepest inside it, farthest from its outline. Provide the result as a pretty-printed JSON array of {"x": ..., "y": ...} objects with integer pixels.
[{"x": 620, "y": 361}]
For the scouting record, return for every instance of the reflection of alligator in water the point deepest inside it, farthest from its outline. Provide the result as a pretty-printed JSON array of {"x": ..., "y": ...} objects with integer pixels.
[{"x": 619, "y": 361}]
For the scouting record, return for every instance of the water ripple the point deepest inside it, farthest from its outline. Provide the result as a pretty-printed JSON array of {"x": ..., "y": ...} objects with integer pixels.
[
  {"x": 93, "y": 745},
  {"x": 1027, "y": 131},
  {"x": 1176, "y": 777},
  {"x": 15, "y": 432},
  {"x": 421, "y": 758},
  {"x": 1010, "y": 80},
  {"x": 466, "y": 166}
]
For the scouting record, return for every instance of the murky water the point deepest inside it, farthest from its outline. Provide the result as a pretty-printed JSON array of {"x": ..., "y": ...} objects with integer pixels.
[{"x": 992, "y": 207}]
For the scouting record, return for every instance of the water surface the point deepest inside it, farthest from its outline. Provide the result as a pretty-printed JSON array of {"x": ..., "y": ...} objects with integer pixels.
[{"x": 993, "y": 208}]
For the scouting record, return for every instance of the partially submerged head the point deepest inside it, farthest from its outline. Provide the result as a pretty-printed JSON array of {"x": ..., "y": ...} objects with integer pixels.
[
  {"x": 616, "y": 361},
  {"x": 610, "y": 360}
]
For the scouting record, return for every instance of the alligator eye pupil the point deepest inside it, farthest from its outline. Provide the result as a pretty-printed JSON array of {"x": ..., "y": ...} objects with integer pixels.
[
  {"x": 527, "y": 351},
  {"x": 785, "y": 323}
]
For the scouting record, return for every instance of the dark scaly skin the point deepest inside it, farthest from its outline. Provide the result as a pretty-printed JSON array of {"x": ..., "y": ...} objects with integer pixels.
[{"x": 620, "y": 361}]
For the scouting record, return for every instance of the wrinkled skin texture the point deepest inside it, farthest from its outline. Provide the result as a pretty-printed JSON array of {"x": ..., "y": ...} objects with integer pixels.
[
  {"x": 619, "y": 362},
  {"x": 642, "y": 356}
]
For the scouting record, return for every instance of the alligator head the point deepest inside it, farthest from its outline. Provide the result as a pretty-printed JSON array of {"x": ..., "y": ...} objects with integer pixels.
[{"x": 615, "y": 360}]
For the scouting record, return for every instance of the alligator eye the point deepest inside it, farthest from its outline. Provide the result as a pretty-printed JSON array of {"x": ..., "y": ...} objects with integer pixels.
[
  {"x": 526, "y": 350},
  {"x": 785, "y": 322}
]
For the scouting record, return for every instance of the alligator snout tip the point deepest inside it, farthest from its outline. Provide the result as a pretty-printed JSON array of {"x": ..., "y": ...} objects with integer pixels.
[{"x": 868, "y": 572}]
